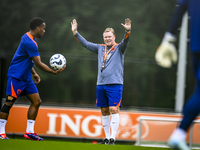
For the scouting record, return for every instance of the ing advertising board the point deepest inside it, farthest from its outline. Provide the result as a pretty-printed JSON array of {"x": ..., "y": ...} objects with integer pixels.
[{"x": 87, "y": 123}]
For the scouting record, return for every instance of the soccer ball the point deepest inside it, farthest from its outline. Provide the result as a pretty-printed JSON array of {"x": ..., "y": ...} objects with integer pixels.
[{"x": 57, "y": 61}]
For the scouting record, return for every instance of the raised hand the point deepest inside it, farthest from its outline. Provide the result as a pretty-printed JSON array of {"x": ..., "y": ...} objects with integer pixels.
[
  {"x": 127, "y": 24},
  {"x": 74, "y": 26}
]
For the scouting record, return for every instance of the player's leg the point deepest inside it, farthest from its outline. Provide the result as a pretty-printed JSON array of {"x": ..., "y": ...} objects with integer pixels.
[
  {"x": 31, "y": 92},
  {"x": 191, "y": 111},
  {"x": 114, "y": 110},
  {"x": 12, "y": 93},
  {"x": 33, "y": 108},
  {"x": 103, "y": 103},
  {"x": 106, "y": 124},
  {"x": 4, "y": 113},
  {"x": 32, "y": 114},
  {"x": 114, "y": 94}
]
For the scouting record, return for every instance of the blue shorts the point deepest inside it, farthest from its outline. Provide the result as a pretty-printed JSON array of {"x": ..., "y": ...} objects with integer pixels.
[
  {"x": 109, "y": 95},
  {"x": 17, "y": 88}
]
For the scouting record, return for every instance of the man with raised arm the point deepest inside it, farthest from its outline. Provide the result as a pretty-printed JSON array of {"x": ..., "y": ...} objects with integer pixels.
[{"x": 110, "y": 76}]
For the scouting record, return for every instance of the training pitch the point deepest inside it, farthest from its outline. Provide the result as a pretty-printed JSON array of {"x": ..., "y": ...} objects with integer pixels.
[{"x": 24, "y": 144}]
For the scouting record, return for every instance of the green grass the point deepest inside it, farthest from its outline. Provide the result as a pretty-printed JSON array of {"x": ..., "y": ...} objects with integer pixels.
[{"x": 23, "y": 144}]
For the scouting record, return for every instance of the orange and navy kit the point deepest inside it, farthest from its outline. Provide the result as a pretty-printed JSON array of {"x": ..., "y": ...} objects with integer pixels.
[{"x": 19, "y": 73}]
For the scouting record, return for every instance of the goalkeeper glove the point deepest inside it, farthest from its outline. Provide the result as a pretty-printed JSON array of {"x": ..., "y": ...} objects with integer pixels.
[{"x": 166, "y": 52}]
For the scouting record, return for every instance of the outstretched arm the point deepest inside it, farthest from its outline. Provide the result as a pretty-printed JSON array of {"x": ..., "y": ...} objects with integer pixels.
[
  {"x": 176, "y": 19},
  {"x": 124, "y": 42},
  {"x": 44, "y": 67},
  {"x": 166, "y": 53},
  {"x": 88, "y": 45}
]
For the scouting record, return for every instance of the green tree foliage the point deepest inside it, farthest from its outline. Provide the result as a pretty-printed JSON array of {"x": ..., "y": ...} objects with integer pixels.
[{"x": 145, "y": 83}]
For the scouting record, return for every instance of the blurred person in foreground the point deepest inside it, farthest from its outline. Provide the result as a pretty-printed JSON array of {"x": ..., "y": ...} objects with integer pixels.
[
  {"x": 110, "y": 76},
  {"x": 166, "y": 54},
  {"x": 20, "y": 81}
]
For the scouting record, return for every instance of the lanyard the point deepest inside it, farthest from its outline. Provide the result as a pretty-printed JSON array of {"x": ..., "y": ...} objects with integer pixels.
[{"x": 105, "y": 56}]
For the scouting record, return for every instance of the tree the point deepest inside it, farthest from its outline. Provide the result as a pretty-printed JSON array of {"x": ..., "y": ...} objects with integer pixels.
[{"x": 145, "y": 83}]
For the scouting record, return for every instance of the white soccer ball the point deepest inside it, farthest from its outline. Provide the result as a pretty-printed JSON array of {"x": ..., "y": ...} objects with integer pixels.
[{"x": 57, "y": 61}]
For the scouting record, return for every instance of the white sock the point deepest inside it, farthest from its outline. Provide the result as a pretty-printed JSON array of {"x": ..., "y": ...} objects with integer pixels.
[
  {"x": 114, "y": 125},
  {"x": 2, "y": 126},
  {"x": 30, "y": 126},
  {"x": 178, "y": 135},
  {"x": 106, "y": 125}
]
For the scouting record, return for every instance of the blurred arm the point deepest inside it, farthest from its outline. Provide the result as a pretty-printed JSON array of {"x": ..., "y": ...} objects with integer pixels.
[
  {"x": 176, "y": 19},
  {"x": 166, "y": 53}
]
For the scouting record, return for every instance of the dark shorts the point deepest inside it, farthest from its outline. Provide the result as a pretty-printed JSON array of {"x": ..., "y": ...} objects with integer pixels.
[
  {"x": 109, "y": 95},
  {"x": 17, "y": 88}
]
